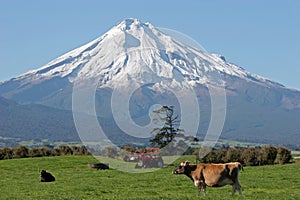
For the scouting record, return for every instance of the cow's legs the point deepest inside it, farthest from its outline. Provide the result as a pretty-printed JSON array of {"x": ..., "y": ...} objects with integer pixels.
[
  {"x": 236, "y": 186},
  {"x": 204, "y": 188},
  {"x": 233, "y": 189},
  {"x": 201, "y": 185},
  {"x": 198, "y": 185},
  {"x": 239, "y": 187}
]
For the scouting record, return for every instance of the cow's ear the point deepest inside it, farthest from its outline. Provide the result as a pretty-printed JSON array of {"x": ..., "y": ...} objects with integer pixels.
[{"x": 187, "y": 163}]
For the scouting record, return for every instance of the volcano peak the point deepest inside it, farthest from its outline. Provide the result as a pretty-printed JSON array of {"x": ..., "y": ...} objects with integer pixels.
[{"x": 131, "y": 24}]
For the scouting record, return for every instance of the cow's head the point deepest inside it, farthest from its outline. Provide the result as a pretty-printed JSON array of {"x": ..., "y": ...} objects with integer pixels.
[{"x": 182, "y": 168}]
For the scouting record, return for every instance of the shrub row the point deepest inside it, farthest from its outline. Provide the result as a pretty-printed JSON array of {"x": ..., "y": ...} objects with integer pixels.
[
  {"x": 24, "y": 152},
  {"x": 250, "y": 156}
]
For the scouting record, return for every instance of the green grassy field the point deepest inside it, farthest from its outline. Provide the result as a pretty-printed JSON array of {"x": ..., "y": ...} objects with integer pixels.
[{"x": 19, "y": 179}]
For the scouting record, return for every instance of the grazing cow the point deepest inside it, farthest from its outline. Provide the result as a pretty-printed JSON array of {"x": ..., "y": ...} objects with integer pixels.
[
  {"x": 99, "y": 166},
  {"x": 213, "y": 175},
  {"x": 46, "y": 176}
]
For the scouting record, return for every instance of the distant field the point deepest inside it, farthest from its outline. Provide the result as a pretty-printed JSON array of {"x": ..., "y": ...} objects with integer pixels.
[{"x": 19, "y": 179}]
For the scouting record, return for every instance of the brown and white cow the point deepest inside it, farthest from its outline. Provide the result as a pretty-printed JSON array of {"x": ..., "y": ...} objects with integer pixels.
[{"x": 213, "y": 175}]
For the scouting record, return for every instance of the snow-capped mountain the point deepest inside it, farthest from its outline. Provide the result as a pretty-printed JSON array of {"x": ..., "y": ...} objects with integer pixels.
[
  {"x": 137, "y": 53},
  {"x": 138, "y": 50}
]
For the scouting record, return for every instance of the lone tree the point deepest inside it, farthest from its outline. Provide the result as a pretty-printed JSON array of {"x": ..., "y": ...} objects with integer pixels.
[{"x": 163, "y": 136}]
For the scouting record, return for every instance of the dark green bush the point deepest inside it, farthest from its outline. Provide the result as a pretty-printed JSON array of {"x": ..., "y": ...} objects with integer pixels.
[
  {"x": 23, "y": 152},
  {"x": 250, "y": 156},
  {"x": 283, "y": 155}
]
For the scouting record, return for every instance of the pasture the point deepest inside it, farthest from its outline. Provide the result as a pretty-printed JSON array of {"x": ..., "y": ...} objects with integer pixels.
[{"x": 20, "y": 179}]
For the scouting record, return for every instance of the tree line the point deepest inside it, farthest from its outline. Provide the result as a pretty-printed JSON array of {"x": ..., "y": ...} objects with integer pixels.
[
  {"x": 250, "y": 156},
  {"x": 24, "y": 152}
]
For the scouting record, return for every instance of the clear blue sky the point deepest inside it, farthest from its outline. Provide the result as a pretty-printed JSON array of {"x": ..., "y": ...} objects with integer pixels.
[{"x": 261, "y": 36}]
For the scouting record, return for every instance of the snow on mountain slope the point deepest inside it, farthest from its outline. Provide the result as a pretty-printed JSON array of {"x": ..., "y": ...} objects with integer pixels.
[{"x": 138, "y": 50}]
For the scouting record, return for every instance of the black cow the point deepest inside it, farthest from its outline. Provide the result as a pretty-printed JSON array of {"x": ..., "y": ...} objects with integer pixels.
[
  {"x": 46, "y": 176},
  {"x": 99, "y": 166}
]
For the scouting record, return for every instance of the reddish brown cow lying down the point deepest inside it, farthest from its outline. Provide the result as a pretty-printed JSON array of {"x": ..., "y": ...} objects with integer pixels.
[{"x": 213, "y": 175}]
